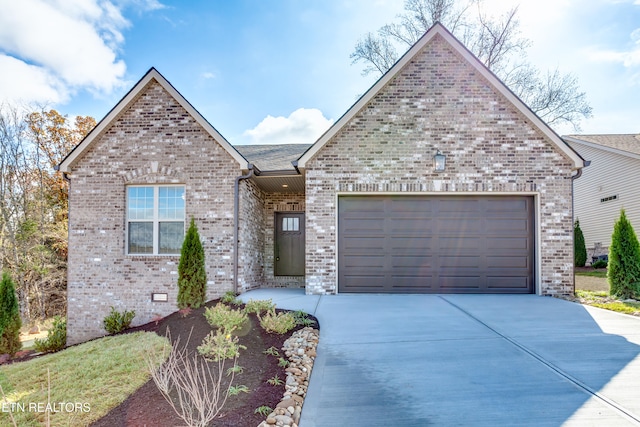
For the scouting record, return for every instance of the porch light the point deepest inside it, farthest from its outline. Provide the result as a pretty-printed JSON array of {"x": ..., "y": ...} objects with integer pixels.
[{"x": 439, "y": 161}]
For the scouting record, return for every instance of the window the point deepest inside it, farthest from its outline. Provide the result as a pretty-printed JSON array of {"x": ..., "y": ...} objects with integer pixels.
[
  {"x": 155, "y": 219},
  {"x": 290, "y": 224}
]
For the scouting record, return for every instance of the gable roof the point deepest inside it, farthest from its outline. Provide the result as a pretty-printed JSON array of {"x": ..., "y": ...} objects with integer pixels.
[
  {"x": 274, "y": 157},
  {"x": 127, "y": 100},
  {"x": 625, "y": 144},
  {"x": 439, "y": 29}
]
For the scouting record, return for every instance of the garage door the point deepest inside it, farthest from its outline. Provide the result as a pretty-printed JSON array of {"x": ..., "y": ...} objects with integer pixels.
[{"x": 436, "y": 244}]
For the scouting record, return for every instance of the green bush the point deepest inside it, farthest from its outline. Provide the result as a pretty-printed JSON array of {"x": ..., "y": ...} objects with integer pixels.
[
  {"x": 56, "y": 337},
  {"x": 579, "y": 247},
  {"x": 117, "y": 322},
  {"x": 10, "y": 322},
  {"x": 192, "y": 275},
  {"x": 229, "y": 297},
  {"x": 280, "y": 323},
  {"x": 601, "y": 263},
  {"x": 224, "y": 317},
  {"x": 302, "y": 318},
  {"x": 259, "y": 306},
  {"x": 624, "y": 260},
  {"x": 219, "y": 346}
]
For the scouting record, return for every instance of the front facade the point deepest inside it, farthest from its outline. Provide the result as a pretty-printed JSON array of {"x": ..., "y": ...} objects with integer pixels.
[
  {"x": 361, "y": 210},
  {"x": 609, "y": 184}
]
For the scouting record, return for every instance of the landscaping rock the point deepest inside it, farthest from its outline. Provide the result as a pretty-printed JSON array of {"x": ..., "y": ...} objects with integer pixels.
[{"x": 300, "y": 350}]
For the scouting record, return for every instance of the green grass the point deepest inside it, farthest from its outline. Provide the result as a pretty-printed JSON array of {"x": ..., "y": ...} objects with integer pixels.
[
  {"x": 593, "y": 273},
  {"x": 601, "y": 299},
  {"x": 619, "y": 306},
  {"x": 592, "y": 295},
  {"x": 97, "y": 375}
]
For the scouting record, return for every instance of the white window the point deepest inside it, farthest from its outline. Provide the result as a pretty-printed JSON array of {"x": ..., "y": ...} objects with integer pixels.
[{"x": 155, "y": 219}]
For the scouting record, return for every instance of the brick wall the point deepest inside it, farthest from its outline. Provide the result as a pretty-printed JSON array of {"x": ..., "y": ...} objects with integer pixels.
[
  {"x": 438, "y": 101},
  {"x": 154, "y": 141},
  {"x": 251, "y": 237}
]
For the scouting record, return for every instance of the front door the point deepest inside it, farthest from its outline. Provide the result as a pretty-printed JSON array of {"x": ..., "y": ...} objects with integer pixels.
[{"x": 289, "y": 244}]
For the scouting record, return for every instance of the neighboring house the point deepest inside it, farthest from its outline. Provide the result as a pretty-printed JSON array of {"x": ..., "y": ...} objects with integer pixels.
[
  {"x": 610, "y": 183},
  {"x": 361, "y": 210}
]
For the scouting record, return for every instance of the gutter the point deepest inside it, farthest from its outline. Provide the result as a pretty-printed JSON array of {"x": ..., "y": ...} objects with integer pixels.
[{"x": 236, "y": 222}]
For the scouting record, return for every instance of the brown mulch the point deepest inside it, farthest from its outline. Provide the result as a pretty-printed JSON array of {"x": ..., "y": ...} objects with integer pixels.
[{"x": 147, "y": 406}]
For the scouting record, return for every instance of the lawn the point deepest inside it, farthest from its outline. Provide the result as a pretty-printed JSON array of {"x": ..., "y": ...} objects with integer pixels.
[
  {"x": 592, "y": 273},
  {"x": 83, "y": 382}
]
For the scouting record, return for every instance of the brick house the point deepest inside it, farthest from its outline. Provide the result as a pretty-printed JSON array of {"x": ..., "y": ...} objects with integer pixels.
[{"x": 362, "y": 210}]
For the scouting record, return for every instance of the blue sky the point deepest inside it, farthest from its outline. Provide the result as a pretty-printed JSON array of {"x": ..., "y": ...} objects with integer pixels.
[{"x": 279, "y": 71}]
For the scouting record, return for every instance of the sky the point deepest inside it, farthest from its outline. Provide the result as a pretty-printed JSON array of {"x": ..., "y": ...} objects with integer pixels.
[{"x": 279, "y": 71}]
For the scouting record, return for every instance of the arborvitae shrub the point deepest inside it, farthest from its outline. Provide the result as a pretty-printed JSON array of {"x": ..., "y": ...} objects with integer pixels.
[
  {"x": 10, "y": 322},
  {"x": 192, "y": 276},
  {"x": 579, "y": 247},
  {"x": 624, "y": 260}
]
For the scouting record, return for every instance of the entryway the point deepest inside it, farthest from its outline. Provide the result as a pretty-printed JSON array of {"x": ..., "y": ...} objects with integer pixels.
[{"x": 289, "y": 249}]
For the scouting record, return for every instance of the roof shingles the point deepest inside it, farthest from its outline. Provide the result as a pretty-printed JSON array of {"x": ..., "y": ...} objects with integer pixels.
[
  {"x": 623, "y": 142},
  {"x": 272, "y": 157}
]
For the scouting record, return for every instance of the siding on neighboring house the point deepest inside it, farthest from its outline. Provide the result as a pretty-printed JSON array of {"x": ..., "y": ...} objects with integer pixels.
[
  {"x": 439, "y": 101},
  {"x": 154, "y": 141},
  {"x": 610, "y": 174}
]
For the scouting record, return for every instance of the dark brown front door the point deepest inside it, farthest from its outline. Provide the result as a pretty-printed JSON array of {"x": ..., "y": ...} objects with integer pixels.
[
  {"x": 289, "y": 244},
  {"x": 436, "y": 244}
]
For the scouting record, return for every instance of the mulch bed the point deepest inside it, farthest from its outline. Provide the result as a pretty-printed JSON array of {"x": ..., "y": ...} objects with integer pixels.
[{"x": 147, "y": 406}]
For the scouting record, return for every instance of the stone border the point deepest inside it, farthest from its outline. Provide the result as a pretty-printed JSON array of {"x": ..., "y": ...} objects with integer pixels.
[{"x": 300, "y": 350}]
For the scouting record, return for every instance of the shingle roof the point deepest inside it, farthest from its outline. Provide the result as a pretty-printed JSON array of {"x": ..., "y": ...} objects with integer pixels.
[
  {"x": 272, "y": 157},
  {"x": 624, "y": 142}
]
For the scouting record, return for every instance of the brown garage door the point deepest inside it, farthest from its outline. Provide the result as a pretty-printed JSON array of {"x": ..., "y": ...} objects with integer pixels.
[{"x": 436, "y": 244}]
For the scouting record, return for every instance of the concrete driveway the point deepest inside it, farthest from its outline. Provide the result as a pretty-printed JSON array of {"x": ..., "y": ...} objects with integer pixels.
[{"x": 482, "y": 360}]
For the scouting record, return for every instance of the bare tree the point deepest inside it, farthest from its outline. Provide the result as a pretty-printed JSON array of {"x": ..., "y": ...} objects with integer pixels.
[
  {"x": 496, "y": 41},
  {"x": 15, "y": 191}
]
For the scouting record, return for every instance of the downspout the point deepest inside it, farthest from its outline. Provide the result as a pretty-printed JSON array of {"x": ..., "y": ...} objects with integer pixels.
[
  {"x": 236, "y": 223},
  {"x": 573, "y": 218},
  {"x": 65, "y": 176}
]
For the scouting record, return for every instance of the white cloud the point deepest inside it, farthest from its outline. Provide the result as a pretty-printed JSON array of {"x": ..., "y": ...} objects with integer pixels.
[
  {"x": 303, "y": 126},
  {"x": 144, "y": 5},
  {"x": 628, "y": 58},
  {"x": 21, "y": 83},
  {"x": 53, "y": 48},
  {"x": 208, "y": 75}
]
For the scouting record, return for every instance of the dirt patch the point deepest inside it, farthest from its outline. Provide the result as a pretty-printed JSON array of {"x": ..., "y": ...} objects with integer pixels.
[{"x": 588, "y": 283}]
